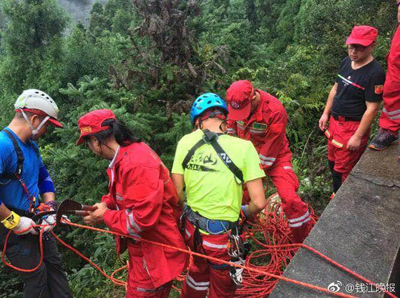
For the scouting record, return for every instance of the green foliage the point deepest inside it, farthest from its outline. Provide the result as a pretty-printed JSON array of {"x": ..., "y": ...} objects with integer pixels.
[
  {"x": 31, "y": 44},
  {"x": 148, "y": 60},
  {"x": 10, "y": 283}
]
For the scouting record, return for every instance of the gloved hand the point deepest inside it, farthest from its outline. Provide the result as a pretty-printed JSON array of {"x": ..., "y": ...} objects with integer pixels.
[
  {"x": 25, "y": 226},
  {"x": 20, "y": 225},
  {"x": 49, "y": 221},
  {"x": 245, "y": 212},
  {"x": 52, "y": 204}
]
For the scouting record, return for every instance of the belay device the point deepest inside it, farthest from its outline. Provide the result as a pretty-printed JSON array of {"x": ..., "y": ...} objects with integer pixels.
[{"x": 238, "y": 251}]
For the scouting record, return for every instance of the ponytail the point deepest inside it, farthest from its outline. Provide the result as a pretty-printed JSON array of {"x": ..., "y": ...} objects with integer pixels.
[{"x": 122, "y": 134}]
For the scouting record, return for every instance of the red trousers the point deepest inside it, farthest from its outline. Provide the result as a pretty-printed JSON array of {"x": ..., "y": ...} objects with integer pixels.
[
  {"x": 207, "y": 278},
  {"x": 390, "y": 116},
  {"x": 338, "y": 134},
  {"x": 139, "y": 280},
  {"x": 296, "y": 211}
]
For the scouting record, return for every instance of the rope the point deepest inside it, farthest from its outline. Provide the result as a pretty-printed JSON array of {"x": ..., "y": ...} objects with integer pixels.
[
  {"x": 21, "y": 269},
  {"x": 114, "y": 280},
  {"x": 258, "y": 280},
  {"x": 273, "y": 226},
  {"x": 215, "y": 260}
]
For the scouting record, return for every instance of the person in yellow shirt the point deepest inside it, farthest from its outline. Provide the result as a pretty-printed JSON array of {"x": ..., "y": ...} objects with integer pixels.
[{"x": 212, "y": 167}]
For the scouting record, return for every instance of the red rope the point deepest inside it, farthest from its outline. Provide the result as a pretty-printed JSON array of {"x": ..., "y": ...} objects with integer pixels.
[
  {"x": 258, "y": 280},
  {"x": 215, "y": 260},
  {"x": 114, "y": 280},
  {"x": 20, "y": 269},
  {"x": 280, "y": 251}
]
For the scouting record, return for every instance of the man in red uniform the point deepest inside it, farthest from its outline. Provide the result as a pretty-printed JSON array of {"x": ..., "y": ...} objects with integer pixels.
[
  {"x": 259, "y": 117},
  {"x": 352, "y": 104},
  {"x": 142, "y": 202},
  {"x": 389, "y": 121}
]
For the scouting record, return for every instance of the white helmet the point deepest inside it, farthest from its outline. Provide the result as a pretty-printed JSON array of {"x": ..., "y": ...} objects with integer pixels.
[{"x": 34, "y": 100}]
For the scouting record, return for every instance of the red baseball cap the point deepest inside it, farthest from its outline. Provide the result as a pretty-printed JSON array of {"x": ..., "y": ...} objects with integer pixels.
[
  {"x": 363, "y": 35},
  {"x": 91, "y": 123},
  {"x": 239, "y": 101}
]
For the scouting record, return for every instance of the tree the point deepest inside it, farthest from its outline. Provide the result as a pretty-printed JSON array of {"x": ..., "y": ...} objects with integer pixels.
[
  {"x": 162, "y": 50},
  {"x": 31, "y": 48},
  {"x": 32, "y": 36},
  {"x": 148, "y": 59}
]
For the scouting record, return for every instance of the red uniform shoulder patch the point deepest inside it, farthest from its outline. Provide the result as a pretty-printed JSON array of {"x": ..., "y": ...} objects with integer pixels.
[{"x": 378, "y": 89}]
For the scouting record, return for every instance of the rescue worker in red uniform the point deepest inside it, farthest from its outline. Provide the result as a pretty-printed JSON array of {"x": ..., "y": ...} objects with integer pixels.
[
  {"x": 142, "y": 202},
  {"x": 352, "y": 104},
  {"x": 389, "y": 121},
  {"x": 259, "y": 117}
]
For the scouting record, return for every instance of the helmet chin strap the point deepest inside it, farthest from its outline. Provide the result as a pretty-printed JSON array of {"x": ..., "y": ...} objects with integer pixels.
[{"x": 34, "y": 131}]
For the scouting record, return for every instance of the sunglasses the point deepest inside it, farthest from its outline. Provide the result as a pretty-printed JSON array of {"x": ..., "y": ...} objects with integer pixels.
[{"x": 357, "y": 47}]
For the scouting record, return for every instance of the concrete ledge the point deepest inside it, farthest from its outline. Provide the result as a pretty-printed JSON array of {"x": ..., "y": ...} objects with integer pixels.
[{"x": 360, "y": 229}]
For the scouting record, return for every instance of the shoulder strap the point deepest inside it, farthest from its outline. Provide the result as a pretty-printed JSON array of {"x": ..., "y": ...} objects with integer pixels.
[
  {"x": 192, "y": 151},
  {"x": 20, "y": 158},
  {"x": 212, "y": 139}
]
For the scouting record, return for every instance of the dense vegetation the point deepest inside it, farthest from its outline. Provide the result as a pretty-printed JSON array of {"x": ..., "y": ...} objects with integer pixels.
[{"x": 148, "y": 60}]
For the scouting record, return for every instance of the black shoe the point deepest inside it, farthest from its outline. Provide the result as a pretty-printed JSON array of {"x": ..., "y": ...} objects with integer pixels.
[{"x": 382, "y": 140}]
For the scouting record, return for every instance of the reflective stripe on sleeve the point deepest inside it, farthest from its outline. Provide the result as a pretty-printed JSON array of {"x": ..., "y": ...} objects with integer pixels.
[
  {"x": 133, "y": 227},
  {"x": 262, "y": 157},
  {"x": 267, "y": 163},
  {"x": 132, "y": 232}
]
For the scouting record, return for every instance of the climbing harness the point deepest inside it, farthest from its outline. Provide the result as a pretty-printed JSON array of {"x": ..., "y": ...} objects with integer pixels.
[
  {"x": 210, "y": 226},
  {"x": 18, "y": 173}
]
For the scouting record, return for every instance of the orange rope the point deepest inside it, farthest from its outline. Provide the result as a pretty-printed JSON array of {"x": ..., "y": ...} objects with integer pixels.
[
  {"x": 40, "y": 248},
  {"x": 251, "y": 269},
  {"x": 114, "y": 280},
  {"x": 275, "y": 230}
]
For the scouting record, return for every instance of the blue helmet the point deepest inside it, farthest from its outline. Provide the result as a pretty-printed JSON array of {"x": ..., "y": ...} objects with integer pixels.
[{"x": 204, "y": 102}]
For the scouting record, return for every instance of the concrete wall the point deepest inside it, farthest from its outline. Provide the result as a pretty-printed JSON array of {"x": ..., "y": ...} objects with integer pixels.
[{"x": 360, "y": 229}]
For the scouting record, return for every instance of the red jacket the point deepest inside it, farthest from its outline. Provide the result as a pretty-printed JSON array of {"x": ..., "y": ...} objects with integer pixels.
[
  {"x": 143, "y": 202},
  {"x": 266, "y": 129}
]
